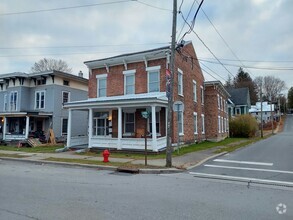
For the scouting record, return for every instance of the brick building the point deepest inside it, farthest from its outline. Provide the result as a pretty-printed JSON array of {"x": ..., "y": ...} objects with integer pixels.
[
  {"x": 217, "y": 119},
  {"x": 122, "y": 87}
]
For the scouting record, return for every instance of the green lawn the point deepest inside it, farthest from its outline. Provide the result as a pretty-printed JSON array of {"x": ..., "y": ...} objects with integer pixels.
[{"x": 41, "y": 149}]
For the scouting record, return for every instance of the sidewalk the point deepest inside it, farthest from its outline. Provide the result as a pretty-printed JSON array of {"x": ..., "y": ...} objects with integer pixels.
[{"x": 180, "y": 163}]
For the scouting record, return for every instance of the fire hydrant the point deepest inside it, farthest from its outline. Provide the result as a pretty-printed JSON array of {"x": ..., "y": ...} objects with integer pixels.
[{"x": 106, "y": 155}]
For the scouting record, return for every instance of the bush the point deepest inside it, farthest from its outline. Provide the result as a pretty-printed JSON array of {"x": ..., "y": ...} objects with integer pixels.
[{"x": 243, "y": 126}]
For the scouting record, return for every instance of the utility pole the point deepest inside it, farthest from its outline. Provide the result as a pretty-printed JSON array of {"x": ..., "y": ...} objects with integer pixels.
[
  {"x": 261, "y": 120},
  {"x": 272, "y": 118},
  {"x": 170, "y": 89}
]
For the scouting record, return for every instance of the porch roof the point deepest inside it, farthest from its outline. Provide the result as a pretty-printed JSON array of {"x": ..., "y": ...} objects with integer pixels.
[{"x": 123, "y": 100}]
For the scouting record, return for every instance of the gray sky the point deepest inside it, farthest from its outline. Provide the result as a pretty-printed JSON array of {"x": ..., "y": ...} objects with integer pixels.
[{"x": 259, "y": 33}]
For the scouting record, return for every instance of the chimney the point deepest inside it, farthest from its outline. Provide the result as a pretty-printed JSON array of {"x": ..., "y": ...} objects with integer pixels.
[{"x": 80, "y": 74}]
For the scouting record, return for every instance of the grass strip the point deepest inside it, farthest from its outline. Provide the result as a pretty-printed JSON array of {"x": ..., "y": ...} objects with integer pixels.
[
  {"x": 39, "y": 149},
  {"x": 12, "y": 155}
]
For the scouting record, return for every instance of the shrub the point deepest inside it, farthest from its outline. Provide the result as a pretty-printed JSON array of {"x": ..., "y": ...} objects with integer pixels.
[{"x": 243, "y": 126}]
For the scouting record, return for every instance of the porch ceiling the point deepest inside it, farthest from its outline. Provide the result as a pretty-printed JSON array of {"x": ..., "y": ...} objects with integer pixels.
[{"x": 133, "y": 100}]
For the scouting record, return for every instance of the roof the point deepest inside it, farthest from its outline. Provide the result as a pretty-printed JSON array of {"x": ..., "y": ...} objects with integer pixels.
[
  {"x": 218, "y": 83},
  {"x": 151, "y": 54},
  {"x": 125, "y": 100},
  {"x": 239, "y": 96},
  {"x": 46, "y": 73},
  {"x": 265, "y": 107}
]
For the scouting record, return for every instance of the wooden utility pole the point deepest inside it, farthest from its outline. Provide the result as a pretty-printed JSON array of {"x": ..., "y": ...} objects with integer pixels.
[{"x": 169, "y": 89}]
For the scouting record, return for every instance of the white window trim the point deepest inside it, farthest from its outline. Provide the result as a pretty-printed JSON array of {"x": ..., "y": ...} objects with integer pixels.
[
  {"x": 128, "y": 73},
  {"x": 218, "y": 96},
  {"x": 219, "y": 124},
  {"x": 149, "y": 121},
  {"x": 99, "y": 77},
  {"x": 195, "y": 114},
  {"x": 40, "y": 91},
  {"x": 203, "y": 128},
  {"x": 124, "y": 126},
  {"x": 9, "y": 101},
  {"x": 222, "y": 125},
  {"x": 180, "y": 72},
  {"x": 63, "y": 96},
  {"x": 194, "y": 90},
  {"x": 202, "y": 95},
  {"x": 153, "y": 69},
  {"x": 5, "y": 102}
]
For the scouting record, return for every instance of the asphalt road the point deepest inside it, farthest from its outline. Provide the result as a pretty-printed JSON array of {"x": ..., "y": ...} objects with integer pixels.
[
  {"x": 269, "y": 160},
  {"x": 29, "y": 191}
]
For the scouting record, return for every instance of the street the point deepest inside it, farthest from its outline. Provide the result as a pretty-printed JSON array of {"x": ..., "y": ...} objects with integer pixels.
[
  {"x": 32, "y": 191},
  {"x": 269, "y": 160}
]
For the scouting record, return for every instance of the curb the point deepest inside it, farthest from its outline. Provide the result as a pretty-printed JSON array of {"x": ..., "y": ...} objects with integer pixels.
[
  {"x": 206, "y": 159},
  {"x": 99, "y": 167}
]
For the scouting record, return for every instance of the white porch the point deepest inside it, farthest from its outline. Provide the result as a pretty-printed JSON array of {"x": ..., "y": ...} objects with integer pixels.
[{"x": 109, "y": 128}]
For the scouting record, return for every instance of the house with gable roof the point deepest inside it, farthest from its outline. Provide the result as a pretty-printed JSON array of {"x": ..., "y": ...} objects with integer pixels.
[
  {"x": 124, "y": 86},
  {"x": 239, "y": 101}
]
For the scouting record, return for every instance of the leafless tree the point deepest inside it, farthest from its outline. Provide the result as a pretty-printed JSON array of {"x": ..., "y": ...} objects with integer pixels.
[
  {"x": 51, "y": 64},
  {"x": 271, "y": 86}
]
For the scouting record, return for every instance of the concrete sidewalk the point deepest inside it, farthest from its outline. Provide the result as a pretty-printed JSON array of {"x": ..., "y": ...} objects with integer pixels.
[{"x": 180, "y": 163}]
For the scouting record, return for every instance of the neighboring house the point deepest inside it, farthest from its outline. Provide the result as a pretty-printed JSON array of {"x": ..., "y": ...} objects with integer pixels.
[
  {"x": 239, "y": 103},
  {"x": 124, "y": 86},
  {"x": 216, "y": 111},
  {"x": 268, "y": 111},
  {"x": 31, "y": 103}
]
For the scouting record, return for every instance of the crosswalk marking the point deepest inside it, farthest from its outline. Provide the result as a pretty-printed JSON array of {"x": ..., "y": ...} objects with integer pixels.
[{"x": 243, "y": 162}]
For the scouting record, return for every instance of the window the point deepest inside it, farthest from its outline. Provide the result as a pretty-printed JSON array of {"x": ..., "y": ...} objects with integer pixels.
[
  {"x": 180, "y": 82},
  {"x": 65, "y": 82},
  {"x": 41, "y": 81},
  {"x": 13, "y": 101},
  {"x": 129, "y": 124},
  {"x": 101, "y": 124},
  {"x": 238, "y": 111},
  {"x": 219, "y": 124},
  {"x": 40, "y": 100},
  {"x": 221, "y": 103},
  {"x": 157, "y": 123},
  {"x": 5, "y": 103},
  {"x": 129, "y": 82},
  {"x": 180, "y": 122},
  {"x": 202, "y": 124},
  {"x": 195, "y": 122},
  {"x": 65, "y": 97},
  {"x": 222, "y": 125},
  {"x": 218, "y": 101},
  {"x": 153, "y": 79},
  {"x": 202, "y": 95},
  {"x": 102, "y": 85},
  {"x": 194, "y": 91},
  {"x": 64, "y": 126}
]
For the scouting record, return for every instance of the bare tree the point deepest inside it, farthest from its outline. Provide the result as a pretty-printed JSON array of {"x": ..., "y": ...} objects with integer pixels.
[
  {"x": 51, "y": 64},
  {"x": 271, "y": 86}
]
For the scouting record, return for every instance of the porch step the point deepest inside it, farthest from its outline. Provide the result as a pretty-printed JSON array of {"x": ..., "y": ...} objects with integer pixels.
[{"x": 34, "y": 142}]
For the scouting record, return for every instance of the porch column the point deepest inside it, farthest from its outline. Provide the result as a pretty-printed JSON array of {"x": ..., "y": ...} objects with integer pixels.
[
  {"x": 4, "y": 128},
  {"x": 90, "y": 127},
  {"x": 69, "y": 128},
  {"x": 119, "y": 128},
  {"x": 27, "y": 123},
  {"x": 154, "y": 130}
]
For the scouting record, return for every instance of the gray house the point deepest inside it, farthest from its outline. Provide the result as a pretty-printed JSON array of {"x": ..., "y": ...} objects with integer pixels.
[
  {"x": 239, "y": 103},
  {"x": 31, "y": 104}
]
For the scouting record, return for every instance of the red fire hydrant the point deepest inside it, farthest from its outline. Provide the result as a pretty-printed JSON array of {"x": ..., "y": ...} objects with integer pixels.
[{"x": 106, "y": 155}]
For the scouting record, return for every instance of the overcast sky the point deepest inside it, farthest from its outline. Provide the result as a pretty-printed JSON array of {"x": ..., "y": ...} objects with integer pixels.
[{"x": 254, "y": 33}]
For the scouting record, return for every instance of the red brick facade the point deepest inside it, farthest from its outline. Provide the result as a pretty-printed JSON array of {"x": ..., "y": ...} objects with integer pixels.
[
  {"x": 187, "y": 62},
  {"x": 216, "y": 121}
]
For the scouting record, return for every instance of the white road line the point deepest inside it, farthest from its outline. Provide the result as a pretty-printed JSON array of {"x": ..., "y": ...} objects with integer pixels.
[
  {"x": 247, "y": 168},
  {"x": 241, "y": 178},
  {"x": 244, "y": 162}
]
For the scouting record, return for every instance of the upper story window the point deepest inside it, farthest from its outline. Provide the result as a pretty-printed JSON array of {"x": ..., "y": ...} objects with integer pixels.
[
  {"x": 5, "y": 107},
  {"x": 41, "y": 81},
  {"x": 101, "y": 85},
  {"x": 153, "y": 78},
  {"x": 129, "y": 82},
  {"x": 66, "y": 82},
  {"x": 194, "y": 91},
  {"x": 218, "y": 101},
  {"x": 13, "y": 101},
  {"x": 40, "y": 100},
  {"x": 65, "y": 97},
  {"x": 180, "y": 82},
  {"x": 202, "y": 95},
  {"x": 221, "y": 103}
]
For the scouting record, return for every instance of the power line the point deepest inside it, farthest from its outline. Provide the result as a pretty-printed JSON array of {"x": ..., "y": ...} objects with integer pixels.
[
  {"x": 184, "y": 23},
  {"x": 64, "y": 8},
  {"x": 81, "y": 46},
  {"x": 212, "y": 71},
  {"x": 152, "y": 6},
  {"x": 251, "y": 61},
  {"x": 251, "y": 67}
]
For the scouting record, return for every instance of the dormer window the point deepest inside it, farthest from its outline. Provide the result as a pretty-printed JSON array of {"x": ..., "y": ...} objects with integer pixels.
[
  {"x": 41, "y": 81},
  {"x": 65, "y": 82}
]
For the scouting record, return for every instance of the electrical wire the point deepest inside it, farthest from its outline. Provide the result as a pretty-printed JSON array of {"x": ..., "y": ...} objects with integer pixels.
[
  {"x": 184, "y": 23},
  {"x": 152, "y": 6}
]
